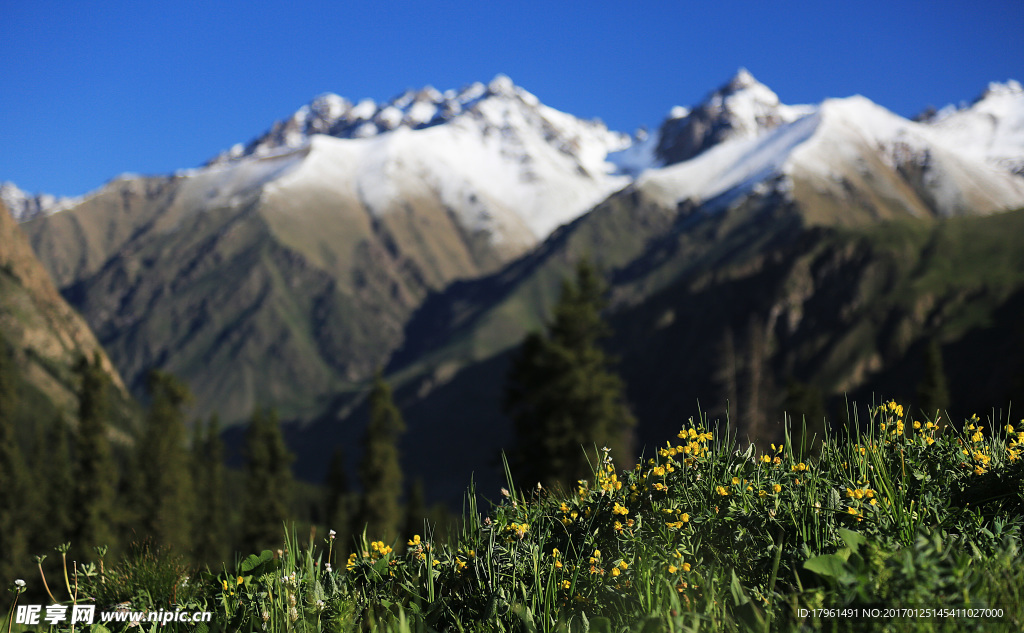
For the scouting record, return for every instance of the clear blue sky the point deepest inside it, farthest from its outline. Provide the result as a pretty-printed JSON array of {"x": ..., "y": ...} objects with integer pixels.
[{"x": 91, "y": 89}]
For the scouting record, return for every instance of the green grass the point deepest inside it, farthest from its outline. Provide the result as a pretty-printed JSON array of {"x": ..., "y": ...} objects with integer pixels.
[{"x": 705, "y": 535}]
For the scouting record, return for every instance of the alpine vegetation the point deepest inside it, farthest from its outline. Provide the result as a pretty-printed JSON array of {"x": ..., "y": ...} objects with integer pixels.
[{"x": 912, "y": 521}]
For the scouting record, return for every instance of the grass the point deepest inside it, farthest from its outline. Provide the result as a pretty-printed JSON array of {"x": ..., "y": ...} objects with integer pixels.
[{"x": 706, "y": 534}]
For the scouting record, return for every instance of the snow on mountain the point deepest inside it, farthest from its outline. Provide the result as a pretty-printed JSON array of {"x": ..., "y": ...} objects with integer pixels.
[
  {"x": 992, "y": 128},
  {"x": 506, "y": 166},
  {"x": 639, "y": 156},
  {"x": 951, "y": 181},
  {"x": 733, "y": 167},
  {"x": 501, "y": 161},
  {"x": 24, "y": 207},
  {"x": 844, "y": 141},
  {"x": 742, "y": 108}
]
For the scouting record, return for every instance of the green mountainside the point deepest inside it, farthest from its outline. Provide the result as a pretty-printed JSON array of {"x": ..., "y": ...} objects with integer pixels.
[{"x": 734, "y": 307}]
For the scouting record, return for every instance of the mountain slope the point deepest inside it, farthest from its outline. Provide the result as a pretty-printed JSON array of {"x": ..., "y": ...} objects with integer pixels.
[
  {"x": 847, "y": 162},
  {"x": 733, "y": 309},
  {"x": 46, "y": 336},
  {"x": 313, "y": 249},
  {"x": 432, "y": 231}
]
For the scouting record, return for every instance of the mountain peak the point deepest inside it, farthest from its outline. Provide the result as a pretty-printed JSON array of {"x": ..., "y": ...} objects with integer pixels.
[
  {"x": 502, "y": 86},
  {"x": 743, "y": 107},
  {"x": 23, "y": 206},
  {"x": 337, "y": 116},
  {"x": 1011, "y": 87},
  {"x": 992, "y": 127},
  {"x": 741, "y": 80},
  {"x": 742, "y": 93}
]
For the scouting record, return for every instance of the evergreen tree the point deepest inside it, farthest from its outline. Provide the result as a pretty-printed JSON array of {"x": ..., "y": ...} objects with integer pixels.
[
  {"x": 339, "y": 502},
  {"x": 13, "y": 477},
  {"x": 95, "y": 473},
  {"x": 268, "y": 483},
  {"x": 55, "y": 480},
  {"x": 932, "y": 393},
  {"x": 380, "y": 470},
  {"x": 165, "y": 494},
  {"x": 210, "y": 531},
  {"x": 564, "y": 400}
]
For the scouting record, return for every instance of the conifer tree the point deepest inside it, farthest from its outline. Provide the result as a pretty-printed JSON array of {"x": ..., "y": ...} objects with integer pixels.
[
  {"x": 13, "y": 477},
  {"x": 932, "y": 393},
  {"x": 164, "y": 497},
  {"x": 339, "y": 501},
  {"x": 210, "y": 533},
  {"x": 380, "y": 470},
  {"x": 268, "y": 483},
  {"x": 564, "y": 400},
  {"x": 95, "y": 473},
  {"x": 55, "y": 485}
]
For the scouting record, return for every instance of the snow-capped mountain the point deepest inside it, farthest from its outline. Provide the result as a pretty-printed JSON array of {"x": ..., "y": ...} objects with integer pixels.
[
  {"x": 24, "y": 206},
  {"x": 316, "y": 243},
  {"x": 502, "y": 162},
  {"x": 741, "y": 109},
  {"x": 849, "y": 152},
  {"x": 991, "y": 128}
]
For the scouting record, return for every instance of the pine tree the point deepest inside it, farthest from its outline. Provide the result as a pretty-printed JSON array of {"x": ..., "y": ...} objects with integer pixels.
[
  {"x": 165, "y": 494},
  {"x": 564, "y": 400},
  {"x": 211, "y": 510},
  {"x": 95, "y": 473},
  {"x": 339, "y": 502},
  {"x": 268, "y": 483},
  {"x": 52, "y": 465},
  {"x": 13, "y": 476},
  {"x": 380, "y": 470},
  {"x": 932, "y": 393}
]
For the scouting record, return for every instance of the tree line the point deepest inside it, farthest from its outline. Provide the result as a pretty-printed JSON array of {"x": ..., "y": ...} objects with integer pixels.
[{"x": 170, "y": 490}]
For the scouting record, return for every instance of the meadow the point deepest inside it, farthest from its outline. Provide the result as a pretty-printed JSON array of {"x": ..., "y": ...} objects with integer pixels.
[{"x": 894, "y": 523}]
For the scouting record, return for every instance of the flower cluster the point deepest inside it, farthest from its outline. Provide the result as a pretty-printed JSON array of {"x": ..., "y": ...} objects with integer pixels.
[
  {"x": 1016, "y": 443},
  {"x": 695, "y": 506}
]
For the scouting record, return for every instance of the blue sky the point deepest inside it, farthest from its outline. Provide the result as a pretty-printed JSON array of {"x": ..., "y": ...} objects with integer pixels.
[{"x": 92, "y": 89}]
